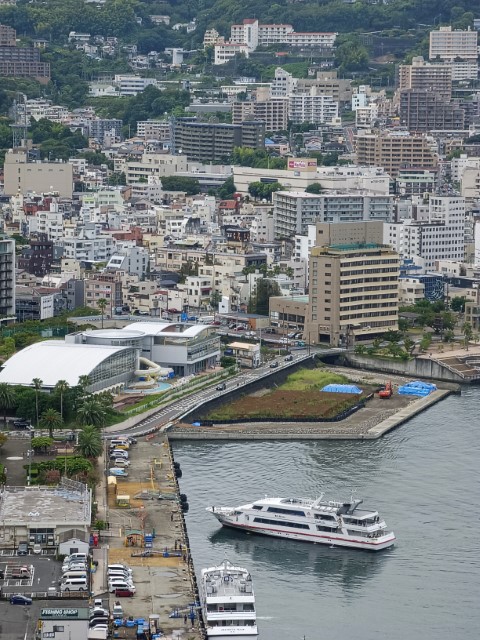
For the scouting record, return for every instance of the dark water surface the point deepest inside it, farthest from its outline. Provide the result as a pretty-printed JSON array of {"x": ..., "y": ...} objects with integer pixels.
[{"x": 423, "y": 478}]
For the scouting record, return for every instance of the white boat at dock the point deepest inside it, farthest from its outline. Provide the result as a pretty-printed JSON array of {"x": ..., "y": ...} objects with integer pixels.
[
  {"x": 341, "y": 524},
  {"x": 228, "y": 602}
]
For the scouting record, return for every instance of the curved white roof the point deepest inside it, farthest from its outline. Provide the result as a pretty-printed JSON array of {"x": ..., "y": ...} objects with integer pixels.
[
  {"x": 166, "y": 329},
  {"x": 55, "y": 360}
]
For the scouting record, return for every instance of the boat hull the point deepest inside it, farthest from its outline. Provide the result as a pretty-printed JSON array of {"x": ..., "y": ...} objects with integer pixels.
[
  {"x": 337, "y": 540},
  {"x": 223, "y": 633}
]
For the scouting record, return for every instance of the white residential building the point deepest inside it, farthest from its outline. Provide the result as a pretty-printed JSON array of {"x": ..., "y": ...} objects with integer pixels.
[
  {"x": 294, "y": 211},
  {"x": 253, "y": 34},
  {"x": 89, "y": 245},
  {"x": 449, "y": 44},
  {"x": 438, "y": 235},
  {"x": 313, "y": 107},
  {"x": 228, "y": 50},
  {"x": 283, "y": 84},
  {"x": 261, "y": 229},
  {"x": 470, "y": 179}
]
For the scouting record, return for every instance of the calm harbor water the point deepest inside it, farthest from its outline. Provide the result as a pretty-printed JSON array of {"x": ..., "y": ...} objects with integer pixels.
[{"x": 423, "y": 478}]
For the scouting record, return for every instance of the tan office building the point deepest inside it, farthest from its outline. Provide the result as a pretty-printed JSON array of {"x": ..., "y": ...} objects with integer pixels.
[
  {"x": 424, "y": 76},
  {"x": 273, "y": 112},
  {"x": 353, "y": 290},
  {"x": 394, "y": 151},
  {"x": 42, "y": 177}
]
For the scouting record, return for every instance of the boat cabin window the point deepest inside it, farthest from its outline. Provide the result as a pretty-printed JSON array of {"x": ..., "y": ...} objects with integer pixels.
[
  {"x": 324, "y": 516},
  {"x": 282, "y": 523},
  {"x": 257, "y": 507},
  {"x": 328, "y": 529},
  {"x": 287, "y": 512}
]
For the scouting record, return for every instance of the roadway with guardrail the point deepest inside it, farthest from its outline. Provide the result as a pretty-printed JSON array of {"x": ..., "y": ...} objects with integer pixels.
[{"x": 178, "y": 409}]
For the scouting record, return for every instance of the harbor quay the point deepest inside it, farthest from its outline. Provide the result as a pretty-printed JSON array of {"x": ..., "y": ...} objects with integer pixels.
[
  {"x": 377, "y": 417},
  {"x": 148, "y": 534}
]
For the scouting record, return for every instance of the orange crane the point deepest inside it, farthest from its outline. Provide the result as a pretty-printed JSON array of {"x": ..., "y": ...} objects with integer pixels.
[{"x": 387, "y": 392}]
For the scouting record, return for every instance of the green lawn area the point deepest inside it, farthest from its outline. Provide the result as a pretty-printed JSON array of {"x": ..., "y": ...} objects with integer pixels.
[{"x": 311, "y": 379}]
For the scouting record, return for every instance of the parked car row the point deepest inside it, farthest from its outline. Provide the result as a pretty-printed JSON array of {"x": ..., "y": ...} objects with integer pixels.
[
  {"x": 99, "y": 616},
  {"x": 120, "y": 580},
  {"x": 75, "y": 573},
  {"x": 119, "y": 456}
]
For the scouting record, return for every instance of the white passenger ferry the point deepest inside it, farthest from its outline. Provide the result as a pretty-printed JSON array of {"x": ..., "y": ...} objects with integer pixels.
[
  {"x": 335, "y": 523},
  {"x": 228, "y": 602}
]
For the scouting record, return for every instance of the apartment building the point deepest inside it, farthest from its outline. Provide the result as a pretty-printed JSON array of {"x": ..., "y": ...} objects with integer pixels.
[
  {"x": 99, "y": 127},
  {"x": 424, "y": 76},
  {"x": 20, "y": 62},
  {"x": 416, "y": 181},
  {"x": 8, "y": 36},
  {"x": 104, "y": 286},
  {"x": 155, "y": 165},
  {"x": 423, "y": 111},
  {"x": 353, "y": 292},
  {"x": 437, "y": 235},
  {"x": 293, "y": 212},
  {"x": 447, "y": 44},
  {"x": 154, "y": 129},
  {"x": 253, "y": 34},
  {"x": 470, "y": 183},
  {"x": 214, "y": 142},
  {"x": 226, "y": 51},
  {"x": 7, "y": 277},
  {"x": 313, "y": 107},
  {"x": 394, "y": 151},
  {"x": 273, "y": 112},
  {"x": 458, "y": 48}
]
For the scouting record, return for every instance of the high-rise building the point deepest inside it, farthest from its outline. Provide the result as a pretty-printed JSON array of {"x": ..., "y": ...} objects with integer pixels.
[
  {"x": 294, "y": 211},
  {"x": 7, "y": 277},
  {"x": 423, "y": 111},
  {"x": 424, "y": 76},
  {"x": 449, "y": 44},
  {"x": 459, "y": 49},
  {"x": 215, "y": 142},
  {"x": 394, "y": 151},
  {"x": 436, "y": 234},
  {"x": 313, "y": 107},
  {"x": 273, "y": 112},
  {"x": 353, "y": 286}
]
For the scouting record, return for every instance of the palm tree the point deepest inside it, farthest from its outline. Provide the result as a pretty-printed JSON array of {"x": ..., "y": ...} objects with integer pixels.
[
  {"x": 83, "y": 383},
  {"x": 37, "y": 385},
  {"x": 61, "y": 387},
  {"x": 92, "y": 411},
  {"x": 51, "y": 420},
  {"x": 7, "y": 399},
  {"x": 89, "y": 443},
  {"x": 102, "y": 305}
]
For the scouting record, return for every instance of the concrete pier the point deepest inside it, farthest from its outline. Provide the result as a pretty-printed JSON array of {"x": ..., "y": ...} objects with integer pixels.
[{"x": 165, "y": 581}]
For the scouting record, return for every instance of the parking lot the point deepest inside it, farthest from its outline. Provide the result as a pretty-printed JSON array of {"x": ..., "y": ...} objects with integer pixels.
[
  {"x": 44, "y": 572},
  {"x": 18, "y": 622}
]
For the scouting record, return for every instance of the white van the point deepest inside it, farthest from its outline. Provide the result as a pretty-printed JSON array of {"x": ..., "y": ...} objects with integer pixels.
[
  {"x": 206, "y": 320},
  {"x": 120, "y": 584},
  {"x": 119, "y": 567},
  {"x": 74, "y": 584},
  {"x": 75, "y": 557},
  {"x": 120, "y": 575},
  {"x": 74, "y": 574}
]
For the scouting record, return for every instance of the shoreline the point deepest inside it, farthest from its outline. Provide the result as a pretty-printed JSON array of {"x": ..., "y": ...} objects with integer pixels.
[{"x": 377, "y": 418}]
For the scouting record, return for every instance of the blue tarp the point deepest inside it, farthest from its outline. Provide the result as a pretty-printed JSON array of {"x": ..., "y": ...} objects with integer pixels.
[
  {"x": 342, "y": 388},
  {"x": 417, "y": 388}
]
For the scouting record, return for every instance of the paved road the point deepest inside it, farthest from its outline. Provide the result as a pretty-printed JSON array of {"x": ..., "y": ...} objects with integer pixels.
[{"x": 179, "y": 408}]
